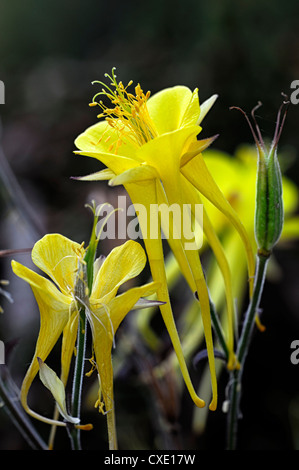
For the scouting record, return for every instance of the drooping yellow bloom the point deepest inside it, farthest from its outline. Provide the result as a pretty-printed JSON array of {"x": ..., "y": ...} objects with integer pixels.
[
  {"x": 149, "y": 145},
  {"x": 61, "y": 300}
]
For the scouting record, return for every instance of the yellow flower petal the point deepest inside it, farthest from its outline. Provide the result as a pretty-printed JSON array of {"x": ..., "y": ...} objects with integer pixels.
[
  {"x": 102, "y": 175},
  {"x": 54, "y": 309},
  {"x": 173, "y": 108},
  {"x": 198, "y": 174},
  {"x": 105, "y": 320},
  {"x": 205, "y": 107},
  {"x": 68, "y": 344},
  {"x": 58, "y": 257},
  {"x": 193, "y": 196},
  {"x": 143, "y": 195},
  {"x": 113, "y": 313},
  {"x": 175, "y": 243},
  {"x": 195, "y": 148},
  {"x": 135, "y": 175},
  {"x": 56, "y": 387},
  {"x": 174, "y": 194},
  {"x": 164, "y": 152},
  {"x": 116, "y": 163},
  {"x": 102, "y": 138},
  {"x": 123, "y": 263}
]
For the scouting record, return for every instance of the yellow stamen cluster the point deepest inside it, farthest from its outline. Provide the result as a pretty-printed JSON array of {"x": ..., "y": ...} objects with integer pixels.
[{"x": 129, "y": 116}]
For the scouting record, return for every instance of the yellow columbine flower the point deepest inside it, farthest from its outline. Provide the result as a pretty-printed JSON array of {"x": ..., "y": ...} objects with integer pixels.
[
  {"x": 149, "y": 144},
  {"x": 61, "y": 300}
]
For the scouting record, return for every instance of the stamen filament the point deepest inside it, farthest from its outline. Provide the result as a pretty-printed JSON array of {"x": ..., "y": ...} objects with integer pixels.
[{"x": 129, "y": 116}]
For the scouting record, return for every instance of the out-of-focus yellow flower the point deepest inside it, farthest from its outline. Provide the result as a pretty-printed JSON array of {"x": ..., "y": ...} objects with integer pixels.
[
  {"x": 236, "y": 176},
  {"x": 61, "y": 300},
  {"x": 149, "y": 144}
]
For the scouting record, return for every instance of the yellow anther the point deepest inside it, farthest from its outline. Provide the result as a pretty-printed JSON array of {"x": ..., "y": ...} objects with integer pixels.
[
  {"x": 259, "y": 325},
  {"x": 100, "y": 405},
  {"x": 84, "y": 427},
  {"x": 129, "y": 117},
  {"x": 89, "y": 373}
]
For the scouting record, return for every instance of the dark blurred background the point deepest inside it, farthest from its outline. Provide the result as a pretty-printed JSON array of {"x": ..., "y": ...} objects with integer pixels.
[{"x": 50, "y": 52}]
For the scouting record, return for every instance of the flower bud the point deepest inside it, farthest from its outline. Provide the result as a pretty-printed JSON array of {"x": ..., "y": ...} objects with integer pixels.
[{"x": 269, "y": 203}]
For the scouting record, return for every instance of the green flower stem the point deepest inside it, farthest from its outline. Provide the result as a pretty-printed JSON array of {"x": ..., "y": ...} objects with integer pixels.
[
  {"x": 235, "y": 383},
  {"x": 20, "y": 419},
  {"x": 78, "y": 378},
  {"x": 87, "y": 281}
]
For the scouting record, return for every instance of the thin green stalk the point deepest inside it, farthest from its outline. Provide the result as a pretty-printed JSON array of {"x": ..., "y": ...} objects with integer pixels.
[
  {"x": 78, "y": 378},
  {"x": 85, "y": 279},
  {"x": 235, "y": 382}
]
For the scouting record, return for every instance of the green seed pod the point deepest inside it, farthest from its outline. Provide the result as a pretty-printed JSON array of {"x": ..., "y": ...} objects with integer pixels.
[
  {"x": 261, "y": 198},
  {"x": 269, "y": 203},
  {"x": 275, "y": 202}
]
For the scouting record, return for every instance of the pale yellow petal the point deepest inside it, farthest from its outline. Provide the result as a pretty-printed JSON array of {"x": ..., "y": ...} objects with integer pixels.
[
  {"x": 175, "y": 243},
  {"x": 135, "y": 175},
  {"x": 56, "y": 387},
  {"x": 198, "y": 174},
  {"x": 123, "y": 263},
  {"x": 68, "y": 345},
  {"x": 58, "y": 257},
  {"x": 195, "y": 148},
  {"x": 112, "y": 314},
  {"x": 116, "y": 163},
  {"x": 173, "y": 108},
  {"x": 205, "y": 107},
  {"x": 142, "y": 196},
  {"x": 105, "y": 320},
  {"x": 102, "y": 138},
  {"x": 54, "y": 310},
  {"x": 193, "y": 196},
  {"x": 102, "y": 175},
  {"x": 164, "y": 152}
]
